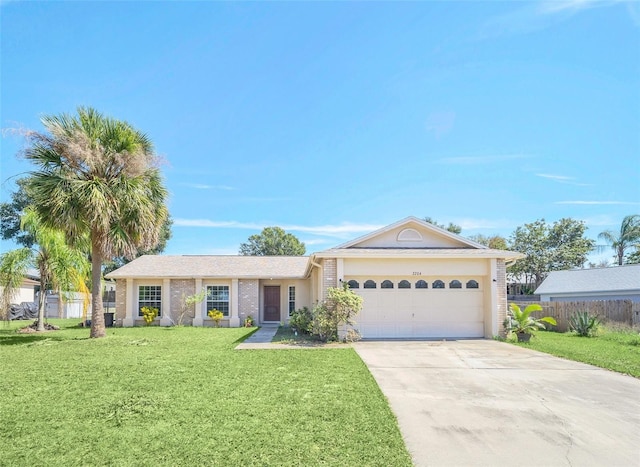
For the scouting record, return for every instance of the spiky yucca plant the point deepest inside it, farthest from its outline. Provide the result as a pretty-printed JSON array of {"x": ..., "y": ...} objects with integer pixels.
[{"x": 583, "y": 324}]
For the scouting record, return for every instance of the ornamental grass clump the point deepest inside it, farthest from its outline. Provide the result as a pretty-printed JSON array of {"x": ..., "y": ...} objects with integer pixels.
[
  {"x": 149, "y": 313},
  {"x": 216, "y": 316}
]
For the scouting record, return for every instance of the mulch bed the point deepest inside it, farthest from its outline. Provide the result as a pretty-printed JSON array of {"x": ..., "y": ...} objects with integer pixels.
[{"x": 33, "y": 327}]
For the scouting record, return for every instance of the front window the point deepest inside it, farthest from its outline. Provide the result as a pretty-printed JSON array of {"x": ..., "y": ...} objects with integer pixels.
[
  {"x": 151, "y": 296},
  {"x": 292, "y": 299},
  {"x": 218, "y": 298}
]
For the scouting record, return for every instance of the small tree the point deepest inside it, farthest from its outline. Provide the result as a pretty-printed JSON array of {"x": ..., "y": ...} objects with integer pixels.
[
  {"x": 187, "y": 302},
  {"x": 273, "y": 241},
  {"x": 61, "y": 267},
  {"x": 340, "y": 307}
]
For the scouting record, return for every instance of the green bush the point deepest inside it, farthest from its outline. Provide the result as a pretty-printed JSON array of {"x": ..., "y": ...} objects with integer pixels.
[
  {"x": 301, "y": 319},
  {"x": 583, "y": 324},
  {"x": 339, "y": 308}
]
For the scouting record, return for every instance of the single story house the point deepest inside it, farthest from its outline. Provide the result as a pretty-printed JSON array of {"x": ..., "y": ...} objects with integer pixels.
[
  {"x": 614, "y": 283},
  {"x": 417, "y": 280}
]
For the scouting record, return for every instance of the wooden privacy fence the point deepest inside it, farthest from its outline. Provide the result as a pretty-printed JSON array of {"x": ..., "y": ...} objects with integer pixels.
[{"x": 619, "y": 311}]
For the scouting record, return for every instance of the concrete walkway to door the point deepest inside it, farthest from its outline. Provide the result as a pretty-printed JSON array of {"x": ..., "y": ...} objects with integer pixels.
[{"x": 483, "y": 402}]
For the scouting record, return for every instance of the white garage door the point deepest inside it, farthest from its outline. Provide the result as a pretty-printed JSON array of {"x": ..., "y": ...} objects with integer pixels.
[{"x": 414, "y": 308}]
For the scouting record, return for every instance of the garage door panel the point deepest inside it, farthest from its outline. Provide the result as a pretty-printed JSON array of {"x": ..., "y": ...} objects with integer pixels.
[{"x": 415, "y": 313}]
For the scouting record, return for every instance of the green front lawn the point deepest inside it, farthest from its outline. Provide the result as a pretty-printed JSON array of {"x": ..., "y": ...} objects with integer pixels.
[
  {"x": 617, "y": 350},
  {"x": 184, "y": 396}
]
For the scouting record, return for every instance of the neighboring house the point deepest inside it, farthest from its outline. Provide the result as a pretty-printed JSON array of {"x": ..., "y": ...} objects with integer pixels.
[
  {"x": 27, "y": 291},
  {"x": 614, "y": 283},
  {"x": 417, "y": 280}
]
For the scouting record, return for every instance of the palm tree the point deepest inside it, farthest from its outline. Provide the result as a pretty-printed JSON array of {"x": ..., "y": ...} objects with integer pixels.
[
  {"x": 61, "y": 267},
  {"x": 98, "y": 177},
  {"x": 629, "y": 236}
]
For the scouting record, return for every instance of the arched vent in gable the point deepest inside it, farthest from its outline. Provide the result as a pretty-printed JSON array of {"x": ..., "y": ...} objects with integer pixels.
[{"x": 409, "y": 235}]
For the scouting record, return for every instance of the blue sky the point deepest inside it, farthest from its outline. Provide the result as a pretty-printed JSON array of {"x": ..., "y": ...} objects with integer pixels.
[{"x": 331, "y": 119}]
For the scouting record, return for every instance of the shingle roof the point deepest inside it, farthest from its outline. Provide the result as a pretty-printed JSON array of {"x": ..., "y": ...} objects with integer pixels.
[
  {"x": 187, "y": 266},
  {"x": 592, "y": 280}
]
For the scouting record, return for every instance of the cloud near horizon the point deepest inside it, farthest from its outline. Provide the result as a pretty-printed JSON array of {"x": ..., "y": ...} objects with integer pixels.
[
  {"x": 339, "y": 231},
  {"x": 599, "y": 203},
  {"x": 562, "y": 179}
]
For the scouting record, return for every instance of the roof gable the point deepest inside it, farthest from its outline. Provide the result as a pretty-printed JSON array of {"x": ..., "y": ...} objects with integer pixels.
[{"x": 411, "y": 233}]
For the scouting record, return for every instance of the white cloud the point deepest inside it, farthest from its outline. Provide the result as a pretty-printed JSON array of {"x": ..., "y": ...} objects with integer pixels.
[
  {"x": 487, "y": 159},
  {"x": 531, "y": 17},
  {"x": 555, "y": 177},
  {"x": 339, "y": 231},
  {"x": 562, "y": 179},
  {"x": 572, "y": 6},
  {"x": 598, "y": 203}
]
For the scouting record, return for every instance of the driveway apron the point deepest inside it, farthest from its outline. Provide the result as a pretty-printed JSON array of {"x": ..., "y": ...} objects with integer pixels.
[{"x": 483, "y": 402}]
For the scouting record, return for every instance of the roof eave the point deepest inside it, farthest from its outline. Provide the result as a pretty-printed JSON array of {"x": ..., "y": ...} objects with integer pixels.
[{"x": 355, "y": 253}]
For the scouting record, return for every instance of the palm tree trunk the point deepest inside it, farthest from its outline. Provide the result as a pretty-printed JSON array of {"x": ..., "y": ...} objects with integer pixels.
[
  {"x": 97, "y": 316},
  {"x": 42, "y": 300}
]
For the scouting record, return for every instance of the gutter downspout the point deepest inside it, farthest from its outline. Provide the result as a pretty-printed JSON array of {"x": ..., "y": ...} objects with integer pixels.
[{"x": 319, "y": 285}]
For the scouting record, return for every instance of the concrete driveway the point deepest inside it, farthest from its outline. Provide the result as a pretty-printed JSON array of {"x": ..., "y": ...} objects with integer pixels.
[{"x": 483, "y": 402}]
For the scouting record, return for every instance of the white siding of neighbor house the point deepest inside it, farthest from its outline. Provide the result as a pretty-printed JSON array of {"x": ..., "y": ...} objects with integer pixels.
[{"x": 25, "y": 293}]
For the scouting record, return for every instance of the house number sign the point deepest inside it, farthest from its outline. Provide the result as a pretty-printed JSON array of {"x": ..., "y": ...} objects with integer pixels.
[{"x": 416, "y": 273}]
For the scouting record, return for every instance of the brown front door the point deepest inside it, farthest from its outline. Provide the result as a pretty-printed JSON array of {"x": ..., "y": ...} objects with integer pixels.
[{"x": 272, "y": 303}]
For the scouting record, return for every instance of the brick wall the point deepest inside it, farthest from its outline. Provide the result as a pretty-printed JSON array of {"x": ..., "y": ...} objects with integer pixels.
[
  {"x": 329, "y": 275},
  {"x": 181, "y": 288},
  {"x": 248, "y": 299},
  {"x": 121, "y": 299},
  {"x": 501, "y": 277}
]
